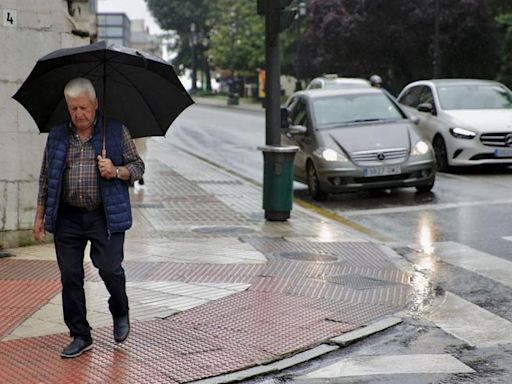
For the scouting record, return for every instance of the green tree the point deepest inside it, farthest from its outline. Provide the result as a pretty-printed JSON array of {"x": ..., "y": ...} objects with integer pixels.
[
  {"x": 237, "y": 36},
  {"x": 395, "y": 39},
  {"x": 504, "y": 20},
  {"x": 178, "y": 16}
]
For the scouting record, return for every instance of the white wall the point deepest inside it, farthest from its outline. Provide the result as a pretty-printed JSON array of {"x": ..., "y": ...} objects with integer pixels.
[{"x": 39, "y": 27}]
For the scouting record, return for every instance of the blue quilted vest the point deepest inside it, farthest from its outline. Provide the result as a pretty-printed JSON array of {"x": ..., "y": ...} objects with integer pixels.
[{"x": 114, "y": 192}]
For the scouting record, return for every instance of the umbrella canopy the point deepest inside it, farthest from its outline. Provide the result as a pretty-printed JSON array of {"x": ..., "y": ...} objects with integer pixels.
[{"x": 139, "y": 89}]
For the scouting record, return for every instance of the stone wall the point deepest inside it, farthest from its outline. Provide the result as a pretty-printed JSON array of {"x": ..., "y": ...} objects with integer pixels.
[{"x": 29, "y": 29}]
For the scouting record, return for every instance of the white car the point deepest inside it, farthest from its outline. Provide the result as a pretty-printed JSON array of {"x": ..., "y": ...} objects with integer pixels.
[{"x": 468, "y": 122}]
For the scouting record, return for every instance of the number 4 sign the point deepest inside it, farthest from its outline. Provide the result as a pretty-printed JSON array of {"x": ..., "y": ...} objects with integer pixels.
[{"x": 10, "y": 19}]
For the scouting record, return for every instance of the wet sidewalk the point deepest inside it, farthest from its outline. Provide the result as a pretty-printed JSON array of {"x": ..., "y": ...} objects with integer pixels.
[{"x": 215, "y": 291}]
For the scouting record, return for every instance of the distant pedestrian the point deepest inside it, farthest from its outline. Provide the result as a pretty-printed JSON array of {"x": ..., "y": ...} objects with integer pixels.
[
  {"x": 83, "y": 196},
  {"x": 376, "y": 81}
]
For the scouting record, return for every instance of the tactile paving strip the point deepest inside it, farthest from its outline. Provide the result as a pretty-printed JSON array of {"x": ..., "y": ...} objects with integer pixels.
[
  {"x": 355, "y": 253},
  {"x": 16, "y": 269},
  {"x": 21, "y": 298},
  {"x": 278, "y": 324},
  {"x": 156, "y": 352},
  {"x": 209, "y": 273},
  {"x": 324, "y": 270},
  {"x": 360, "y": 313}
]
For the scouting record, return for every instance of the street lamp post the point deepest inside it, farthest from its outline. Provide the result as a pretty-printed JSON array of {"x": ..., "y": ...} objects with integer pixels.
[
  {"x": 301, "y": 13},
  {"x": 233, "y": 97},
  {"x": 193, "y": 44}
]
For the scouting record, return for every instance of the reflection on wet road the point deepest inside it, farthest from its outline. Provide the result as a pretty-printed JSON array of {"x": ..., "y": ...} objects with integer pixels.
[{"x": 474, "y": 209}]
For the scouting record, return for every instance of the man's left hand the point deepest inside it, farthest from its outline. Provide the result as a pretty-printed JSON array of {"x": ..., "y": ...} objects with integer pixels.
[{"x": 107, "y": 169}]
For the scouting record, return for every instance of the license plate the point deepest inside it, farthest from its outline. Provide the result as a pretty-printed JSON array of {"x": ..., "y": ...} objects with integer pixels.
[
  {"x": 503, "y": 152},
  {"x": 382, "y": 171}
]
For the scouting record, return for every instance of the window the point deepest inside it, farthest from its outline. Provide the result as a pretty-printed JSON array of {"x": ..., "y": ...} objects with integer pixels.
[
  {"x": 426, "y": 96},
  {"x": 114, "y": 32},
  {"x": 411, "y": 97},
  {"x": 474, "y": 96},
  {"x": 299, "y": 113},
  {"x": 114, "y": 20},
  {"x": 345, "y": 109}
]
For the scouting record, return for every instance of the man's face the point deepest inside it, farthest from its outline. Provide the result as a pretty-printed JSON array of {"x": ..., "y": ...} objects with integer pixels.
[{"x": 82, "y": 110}]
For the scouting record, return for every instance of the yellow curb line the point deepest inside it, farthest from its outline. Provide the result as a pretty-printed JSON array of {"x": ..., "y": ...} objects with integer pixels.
[{"x": 342, "y": 220}]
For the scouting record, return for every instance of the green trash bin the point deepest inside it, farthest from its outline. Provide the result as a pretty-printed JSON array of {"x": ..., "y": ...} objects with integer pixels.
[{"x": 278, "y": 181}]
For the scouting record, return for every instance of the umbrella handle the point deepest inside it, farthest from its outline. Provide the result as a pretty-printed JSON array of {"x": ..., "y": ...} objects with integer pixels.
[{"x": 104, "y": 150}]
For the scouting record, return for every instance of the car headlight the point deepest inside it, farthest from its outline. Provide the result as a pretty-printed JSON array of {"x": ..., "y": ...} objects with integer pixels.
[
  {"x": 421, "y": 148},
  {"x": 461, "y": 133},
  {"x": 328, "y": 154}
]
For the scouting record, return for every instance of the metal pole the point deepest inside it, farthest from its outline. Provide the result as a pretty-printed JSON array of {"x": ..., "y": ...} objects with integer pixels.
[
  {"x": 436, "y": 54},
  {"x": 193, "y": 42},
  {"x": 273, "y": 74}
]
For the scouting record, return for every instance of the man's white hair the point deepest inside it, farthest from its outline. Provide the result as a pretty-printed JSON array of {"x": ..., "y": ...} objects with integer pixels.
[{"x": 79, "y": 86}]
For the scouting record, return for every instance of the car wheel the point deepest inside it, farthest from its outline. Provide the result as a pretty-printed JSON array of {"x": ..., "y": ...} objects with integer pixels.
[
  {"x": 314, "y": 184},
  {"x": 441, "y": 154},
  {"x": 425, "y": 188}
]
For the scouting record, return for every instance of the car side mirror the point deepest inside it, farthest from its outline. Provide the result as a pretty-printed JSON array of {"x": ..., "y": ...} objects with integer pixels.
[
  {"x": 285, "y": 118},
  {"x": 426, "y": 107}
]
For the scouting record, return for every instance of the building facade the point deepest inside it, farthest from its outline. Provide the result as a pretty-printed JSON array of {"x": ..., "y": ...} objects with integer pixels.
[
  {"x": 29, "y": 30},
  {"x": 114, "y": 28},
  {"x": 117, "y": 28}
]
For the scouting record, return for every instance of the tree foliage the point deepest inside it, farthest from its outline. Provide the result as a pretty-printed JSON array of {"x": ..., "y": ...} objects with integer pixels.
[
  {"x": 396, "y": 39},
  {"x": 237, "y": 36},
  {"x": 504, "y": 20},
  {"x": 178, "y": 16}
]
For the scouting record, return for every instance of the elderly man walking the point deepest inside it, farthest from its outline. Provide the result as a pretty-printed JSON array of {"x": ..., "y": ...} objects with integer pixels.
[{"x": 84, "y": 197}]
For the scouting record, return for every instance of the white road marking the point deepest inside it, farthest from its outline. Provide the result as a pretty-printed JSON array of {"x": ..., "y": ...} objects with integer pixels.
[
  {"x": 475, "y": 261},
  {"x": 425, "y": 207},
  {"x": 469, "y": 322},
  {"x": 391, "y": 365}
]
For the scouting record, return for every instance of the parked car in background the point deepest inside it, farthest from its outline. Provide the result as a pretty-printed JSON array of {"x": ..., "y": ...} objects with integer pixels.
[
  {"x": 468, "y": 122},
  {"x": 331, "y": 81},
  {"x": 355, "y": 139}
]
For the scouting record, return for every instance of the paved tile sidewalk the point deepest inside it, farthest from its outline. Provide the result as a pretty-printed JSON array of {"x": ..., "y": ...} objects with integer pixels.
[{"x": 213, "y": 287}]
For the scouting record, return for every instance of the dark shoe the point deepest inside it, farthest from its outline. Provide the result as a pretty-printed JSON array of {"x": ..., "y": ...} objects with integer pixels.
[
  {"x": 141, "y": 181},
  {"x": 77, "y": 347},
  {"x": 121, "y": 328}
]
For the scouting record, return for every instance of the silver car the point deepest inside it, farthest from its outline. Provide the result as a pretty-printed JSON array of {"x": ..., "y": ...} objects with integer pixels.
[
  {"x": 468, "y": 122},
  {"x": 355, "y": 139}
]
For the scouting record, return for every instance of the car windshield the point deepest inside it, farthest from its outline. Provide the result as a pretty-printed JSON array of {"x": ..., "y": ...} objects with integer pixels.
[
  {"x": 345, "y": 109},
  {"x": 473, "y": 96}
]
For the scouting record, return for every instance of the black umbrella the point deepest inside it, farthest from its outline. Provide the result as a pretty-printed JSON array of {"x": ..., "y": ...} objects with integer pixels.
[{"x": 139, "y": 89}]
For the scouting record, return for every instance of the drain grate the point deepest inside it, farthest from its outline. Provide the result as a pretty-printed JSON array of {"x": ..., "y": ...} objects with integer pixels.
[
  {"x": 307, "y": 256},
  {"x": 358, "y": 282},
  {"x": 223, "y": 230}
]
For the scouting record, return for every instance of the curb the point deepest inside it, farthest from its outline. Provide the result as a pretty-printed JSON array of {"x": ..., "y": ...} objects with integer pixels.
[
  {"x": 220, "y": 103},
  {"x": 302, "y": 357}
]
